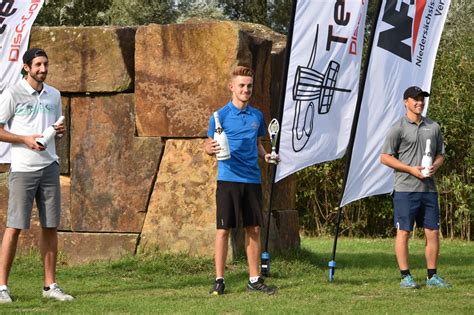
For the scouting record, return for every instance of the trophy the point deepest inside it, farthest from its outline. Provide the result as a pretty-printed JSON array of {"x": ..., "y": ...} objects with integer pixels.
[{"x": 273, "y": 129}]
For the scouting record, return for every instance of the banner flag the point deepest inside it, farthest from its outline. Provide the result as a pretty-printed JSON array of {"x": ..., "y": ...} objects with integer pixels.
[
  {"x": 322, "y": 82},
  {"x": 403, "y": 54},
  {"x": 16, "y": 19}
]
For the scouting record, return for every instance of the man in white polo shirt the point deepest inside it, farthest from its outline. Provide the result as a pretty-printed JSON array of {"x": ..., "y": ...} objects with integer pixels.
[{"x": 28, "y": 108}]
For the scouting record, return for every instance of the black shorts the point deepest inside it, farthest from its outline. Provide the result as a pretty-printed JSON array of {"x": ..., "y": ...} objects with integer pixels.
[{"x": 234, "y": 198}]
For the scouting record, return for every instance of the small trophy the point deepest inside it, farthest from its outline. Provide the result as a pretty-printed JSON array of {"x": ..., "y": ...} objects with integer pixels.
[{"x": 273, "y": 129}]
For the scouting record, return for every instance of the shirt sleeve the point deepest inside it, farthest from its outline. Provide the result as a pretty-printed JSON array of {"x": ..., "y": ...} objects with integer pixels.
[
  {"x": 439, "y": 142},
  {"x": 392, "y": 142},
  {"x": 261, "y": 128},
  {"x": 210, "y": 131},
  {"x": 7, "y": 107}
]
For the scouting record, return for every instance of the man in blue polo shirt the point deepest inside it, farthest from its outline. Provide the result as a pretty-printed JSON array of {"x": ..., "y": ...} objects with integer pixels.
[
  {"x": 238, "y": 178},
  {"x": 415, "y": 196}
]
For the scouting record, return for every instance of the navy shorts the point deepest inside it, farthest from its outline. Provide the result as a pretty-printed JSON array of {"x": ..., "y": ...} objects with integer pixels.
[
  {"x": 234, "y": 199},
  {"x": 419, "y": 207}
]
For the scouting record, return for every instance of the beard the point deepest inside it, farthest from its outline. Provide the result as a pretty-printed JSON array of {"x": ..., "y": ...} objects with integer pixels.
[{"x": 39, "y": 77}]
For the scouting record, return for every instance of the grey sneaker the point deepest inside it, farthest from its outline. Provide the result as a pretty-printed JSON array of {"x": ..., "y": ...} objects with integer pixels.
[
  {"x": 55, "y": 292},
  {"x": 437, "y": 282},
  {"x": 259, "y": 286},
  {"x": 408, "y": 282},
  {"x": 5, "y": 296}
]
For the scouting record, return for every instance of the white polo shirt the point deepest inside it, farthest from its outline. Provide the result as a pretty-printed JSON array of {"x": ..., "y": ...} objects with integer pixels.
[{"x": 28, "y": 112}]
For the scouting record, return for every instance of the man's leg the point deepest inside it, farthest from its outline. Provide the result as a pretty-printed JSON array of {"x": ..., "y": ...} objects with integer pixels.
[
  {"x": 252, "y": 248},
  {"x": 221, "y": 247},
  {"x": 49, "y": 252},
  {"x": 401, "y": 249},
  {"x": 8, "y": 251},
  {"x": 432, "y": 248}
]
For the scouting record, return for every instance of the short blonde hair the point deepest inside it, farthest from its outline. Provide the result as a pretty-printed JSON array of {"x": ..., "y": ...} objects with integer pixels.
[{"x": 242, "y": 71}]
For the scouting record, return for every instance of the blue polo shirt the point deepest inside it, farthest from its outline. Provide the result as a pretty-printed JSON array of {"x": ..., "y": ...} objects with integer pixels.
[{"x": 242, "y": 128}]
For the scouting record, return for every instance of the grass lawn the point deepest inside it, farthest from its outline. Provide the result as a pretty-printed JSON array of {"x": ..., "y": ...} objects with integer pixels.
[{"x": 366, "y": 282}]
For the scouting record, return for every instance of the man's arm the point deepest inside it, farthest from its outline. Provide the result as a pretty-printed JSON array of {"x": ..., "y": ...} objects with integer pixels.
[
  {"x": 29, "y": 141},
  {"x": 396, "y": 164}
]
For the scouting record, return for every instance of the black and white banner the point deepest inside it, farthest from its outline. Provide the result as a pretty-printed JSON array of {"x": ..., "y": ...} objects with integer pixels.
[
  {"x": 16, "y": 19},
  {"x": 322, "y": 82},
  {"x": 403, "y": 54}
]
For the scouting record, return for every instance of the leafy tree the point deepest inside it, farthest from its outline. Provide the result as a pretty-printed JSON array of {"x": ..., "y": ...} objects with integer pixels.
[{"x": 73, "y": 12}]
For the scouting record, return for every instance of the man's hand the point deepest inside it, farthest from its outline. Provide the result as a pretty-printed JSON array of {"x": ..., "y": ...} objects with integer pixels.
[
  {"x": 416, "y": 171},
  {"x": 30, "y": 142},
  {"x": 60, "y": 129},
  {"x": 212, "y": 147},
  {"x": 274, "y": 160}
]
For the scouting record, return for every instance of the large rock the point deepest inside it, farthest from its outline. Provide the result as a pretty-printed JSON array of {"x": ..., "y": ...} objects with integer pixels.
[
  {"x": 62, "y": 144},
  {"x": 183, "y": 76},
  {"x": 88, "y": 59},
  {"x": 79, "y": 248},
  {"x": 111, "y": 170},
  {"x": 181, "y": 212}
]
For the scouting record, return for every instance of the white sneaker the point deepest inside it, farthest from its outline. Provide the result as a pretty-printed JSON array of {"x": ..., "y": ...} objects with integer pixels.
[
  {"x": 5, "y": 295},
  {"x": 55, "y": 292}
]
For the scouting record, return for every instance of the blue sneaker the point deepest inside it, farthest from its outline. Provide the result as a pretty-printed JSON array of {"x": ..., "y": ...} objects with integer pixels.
[
  {"x": 408, "y": 282},
  {"x": 436, "y": 282}
]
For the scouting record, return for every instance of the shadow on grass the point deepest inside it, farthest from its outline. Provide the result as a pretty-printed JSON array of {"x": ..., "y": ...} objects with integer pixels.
[{"x": 365, "y": 260}]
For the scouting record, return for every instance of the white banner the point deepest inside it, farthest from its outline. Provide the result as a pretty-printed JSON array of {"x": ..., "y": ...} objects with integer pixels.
[
  {"x": 16, "y": 19},
  {"x": 403, "y": 54},
  {"x": 322, "y": 83}
]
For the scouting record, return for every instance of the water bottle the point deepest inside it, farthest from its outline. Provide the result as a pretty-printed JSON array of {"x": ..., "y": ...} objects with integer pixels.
[
  {"x": 427, "y": 159},
  {"x": 49, "y": 133},
  {"x": 265, "y": 264},
  {"x": 221, "y": 138}
]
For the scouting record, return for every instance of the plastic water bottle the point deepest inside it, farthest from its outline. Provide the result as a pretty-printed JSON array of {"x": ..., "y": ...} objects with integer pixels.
[
  {"x": 265, "y": 266},
  {"x": 221, "y": 138},
  {"x": 49, "y": 133},
  {"x": 427, "y": 159}
]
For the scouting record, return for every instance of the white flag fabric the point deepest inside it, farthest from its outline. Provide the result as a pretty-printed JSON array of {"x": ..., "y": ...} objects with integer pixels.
[
  {"x": 403, "y": 54},
  {"x": 16, "y": 19},
  {"x": 322, "y": 82}
]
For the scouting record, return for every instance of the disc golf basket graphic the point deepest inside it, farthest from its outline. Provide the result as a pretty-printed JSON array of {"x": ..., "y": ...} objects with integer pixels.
[{"x": 314, "y": 87}]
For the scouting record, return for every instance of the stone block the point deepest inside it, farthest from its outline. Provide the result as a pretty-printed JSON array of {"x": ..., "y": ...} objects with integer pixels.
[
  {"x": 62, "y": 144},
  {"x": 112, "y": 171},
  {"x": 183, "y": 76},
  {"x": 287, "y": 223},
  {"x": 80, "y": 248},
  {"x": 181, "y": 212},
  {"x": 88, "y": 59}
]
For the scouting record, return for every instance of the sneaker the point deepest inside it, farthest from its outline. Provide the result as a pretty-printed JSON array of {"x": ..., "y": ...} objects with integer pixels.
[
  {"x": 436, "y": 282},
  {"x": 260, "y": 286},
  {"x": 55, "y": 292},
  {"x": 218, "y": 287},
  {"x": 5, "y": 296},
  {"x": 408, "y": 282}
]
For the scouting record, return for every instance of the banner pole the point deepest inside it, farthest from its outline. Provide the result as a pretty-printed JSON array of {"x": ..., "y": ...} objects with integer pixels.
[
  {"x": 265, "y": 256},
  {"x": 350, "y": 146}
]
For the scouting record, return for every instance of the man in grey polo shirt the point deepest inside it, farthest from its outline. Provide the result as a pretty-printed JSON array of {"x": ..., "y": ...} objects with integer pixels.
[
  {"x": 415, "y": 195},
  {"x": 29, "y": 107}
]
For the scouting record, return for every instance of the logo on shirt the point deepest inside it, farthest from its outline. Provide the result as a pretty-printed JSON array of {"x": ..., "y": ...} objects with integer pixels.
[{"x": 254, "y": 125}]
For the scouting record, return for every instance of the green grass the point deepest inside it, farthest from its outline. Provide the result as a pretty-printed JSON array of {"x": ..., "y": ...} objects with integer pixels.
[{"x": 366, "y": 281}]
